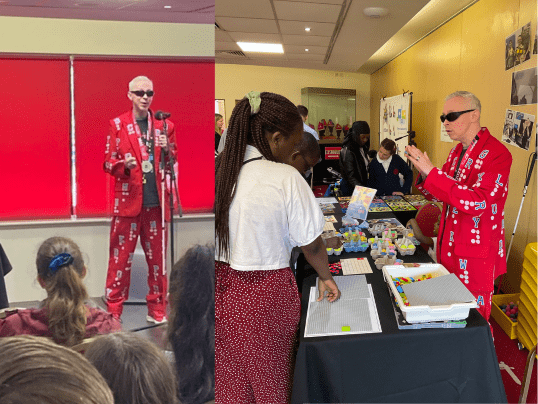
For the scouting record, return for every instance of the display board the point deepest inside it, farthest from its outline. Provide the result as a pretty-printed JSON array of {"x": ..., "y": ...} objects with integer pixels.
[{"x": 395, "y": 120}]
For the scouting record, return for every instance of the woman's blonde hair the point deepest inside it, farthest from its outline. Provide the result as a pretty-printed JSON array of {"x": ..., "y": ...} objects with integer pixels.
[
  {"x": 37, "y": 371},
  {"x": 66, "y": 293},
  {"x": 217, "y": 128}
]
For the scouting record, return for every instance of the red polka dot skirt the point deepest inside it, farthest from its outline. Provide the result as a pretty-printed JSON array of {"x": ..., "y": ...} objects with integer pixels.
[{"x": 256, "y": 321}]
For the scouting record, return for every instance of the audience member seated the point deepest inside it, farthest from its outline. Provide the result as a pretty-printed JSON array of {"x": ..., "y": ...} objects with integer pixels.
[
  {"x": 63, "y": 315},
  {"x": 354, "y": 158},
  {"x": 35, "y": 370},
  {"x": 191, "y": 327},
  {"x": 385, "y": 169},
  {"x": 135, "y": 369}
]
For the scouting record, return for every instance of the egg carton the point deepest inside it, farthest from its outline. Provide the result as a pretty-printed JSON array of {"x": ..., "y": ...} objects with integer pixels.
[
  {"x": 405, "y": 246},
  {"x": 355, "y": 247},
  {"x": 381, "y": 252},
  {"x": 387, "y": 260}
]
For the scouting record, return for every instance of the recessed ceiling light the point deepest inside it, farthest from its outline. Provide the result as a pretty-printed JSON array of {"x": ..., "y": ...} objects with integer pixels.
[
  {"x": 307, "y": 29},
  {"x": 167, "y": 6},
  {"x": 261, "y": 47},
  {"x": 306, "y": 50},
  {"x": 375, "y": 12}
]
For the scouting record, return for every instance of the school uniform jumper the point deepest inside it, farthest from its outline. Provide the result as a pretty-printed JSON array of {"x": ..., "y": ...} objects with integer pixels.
[
  {"x": 387, "y": 182},
  {"x": 471, "y": 233}
]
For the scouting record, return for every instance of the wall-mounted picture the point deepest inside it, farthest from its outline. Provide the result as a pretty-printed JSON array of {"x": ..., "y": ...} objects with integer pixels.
[
  {"x": 518, "y": 129},
  {"x": 510, "y": 52},
  {"x": 523, "y": 44},
  {"x": 524, "y": 87},
  {"x": 534, "y": 51}
]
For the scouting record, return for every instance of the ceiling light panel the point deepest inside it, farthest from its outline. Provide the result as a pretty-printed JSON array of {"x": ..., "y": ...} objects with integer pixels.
[{"x": 261, "y": 47}]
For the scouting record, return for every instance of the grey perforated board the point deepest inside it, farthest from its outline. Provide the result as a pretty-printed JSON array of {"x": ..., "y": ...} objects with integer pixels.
[{"x": 440, "y": 291}]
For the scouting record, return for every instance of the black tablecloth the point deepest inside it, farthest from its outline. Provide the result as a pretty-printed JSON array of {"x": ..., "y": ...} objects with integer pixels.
[{"x": 446, "y": 365}]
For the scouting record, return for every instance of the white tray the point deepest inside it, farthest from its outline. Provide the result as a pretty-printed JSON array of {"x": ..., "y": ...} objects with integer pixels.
[{"x": 421, "y": 314}]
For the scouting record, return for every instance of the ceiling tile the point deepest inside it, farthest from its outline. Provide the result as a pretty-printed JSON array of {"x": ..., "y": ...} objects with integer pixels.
[
  {"x": 247, "y": 25},
  {"x": 222, "y": 36},
  {"x": 298, "y": 56},
  {"x": 265, "y": 56},
  {"x": 254, "y": 37},
  {"x": 299, "y": 11},
  {"x": 226, "y": 46},
  {"x": 297, "y": 28},
  {"x": 317, "y": 50},
  {"x": 242, "y": 8},
  {"x": 306, "y": 40}
]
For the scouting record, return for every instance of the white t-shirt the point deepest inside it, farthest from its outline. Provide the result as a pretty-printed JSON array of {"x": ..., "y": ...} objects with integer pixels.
[{"x": 273, "y": 211}]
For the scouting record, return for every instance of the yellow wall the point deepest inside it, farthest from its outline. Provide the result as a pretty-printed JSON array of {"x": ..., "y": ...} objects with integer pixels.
[
  {"x": 232, "y": 82},
  {"x": 467, "y": 53},
  {"x": 72, "y": 37}
]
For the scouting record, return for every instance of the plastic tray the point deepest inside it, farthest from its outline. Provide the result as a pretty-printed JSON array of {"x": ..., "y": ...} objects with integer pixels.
[{"x": 421, "y": 314}]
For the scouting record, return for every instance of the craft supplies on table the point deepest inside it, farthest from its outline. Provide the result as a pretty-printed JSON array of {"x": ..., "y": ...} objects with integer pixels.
[{"x": 444, "y": 298}]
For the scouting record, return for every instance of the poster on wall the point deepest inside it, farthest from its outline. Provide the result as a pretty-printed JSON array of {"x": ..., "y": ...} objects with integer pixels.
[
  {"x": 394, "y": 120},
  {"x": 524, "y": 87},
  {"x": 444, "y": 134},
  {"x": 534, "y": 50},
  {"x": 510, "y": 52},
  {"x": 518, "y": 128},
  {"x": 523, "y": 44}
]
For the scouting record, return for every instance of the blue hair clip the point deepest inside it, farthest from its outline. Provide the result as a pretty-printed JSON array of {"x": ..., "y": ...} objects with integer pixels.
[{"x": 59, "y": 261}]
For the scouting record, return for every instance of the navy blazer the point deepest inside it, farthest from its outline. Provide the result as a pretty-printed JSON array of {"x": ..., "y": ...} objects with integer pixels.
[{"x": 388, "y": 182}]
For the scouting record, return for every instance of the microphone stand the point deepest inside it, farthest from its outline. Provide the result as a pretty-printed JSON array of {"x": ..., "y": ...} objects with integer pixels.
[{"x": 163, "y": 206}]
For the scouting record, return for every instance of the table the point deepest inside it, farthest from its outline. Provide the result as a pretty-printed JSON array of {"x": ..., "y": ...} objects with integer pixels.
[{"x": 399, "y": 366}]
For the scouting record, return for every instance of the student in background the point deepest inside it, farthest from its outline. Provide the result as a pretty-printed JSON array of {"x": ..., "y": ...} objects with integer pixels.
[
  {"x": 135, "y": 369},
  {"x": 64, "y": 315},
  {"x": 306, "y": 154},
  {"x": 263, "y": 209},
  {"x": 219, "y": 123},
  {"x": 38, "y": 371},
  {"x": 354, "y": 158},
  {"x": 385, "y": 169},
  {"x": 191, "y": 329}
]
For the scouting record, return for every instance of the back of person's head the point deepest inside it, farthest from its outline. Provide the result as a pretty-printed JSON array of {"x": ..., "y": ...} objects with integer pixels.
[
  {"x": 247, "y": 126},
  {"x": 191, "y": 328},
  {"x": 35, "y": 370},
  {"x": 303, "y": 111},
  {"x": 217, "y": 127},
  {"x": 309, "y": 147},
  {"x": 135, "y": 369},
  {"x": 360, "y": 128},
  {"x": 60, "y": 269},
  {"x": 389, "y": 145}
]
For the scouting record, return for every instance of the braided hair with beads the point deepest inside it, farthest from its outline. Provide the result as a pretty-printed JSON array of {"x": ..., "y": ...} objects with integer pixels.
[{"x": 276, "y": 114}]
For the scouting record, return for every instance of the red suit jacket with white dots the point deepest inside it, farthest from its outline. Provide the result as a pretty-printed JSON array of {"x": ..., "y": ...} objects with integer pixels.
[
  {"x": 123, "y": 139},
  {"x": 471, "y": 239}
]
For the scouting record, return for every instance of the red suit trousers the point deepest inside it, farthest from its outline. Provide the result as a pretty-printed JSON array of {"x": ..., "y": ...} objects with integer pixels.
[{"x": 124, "y": 234}]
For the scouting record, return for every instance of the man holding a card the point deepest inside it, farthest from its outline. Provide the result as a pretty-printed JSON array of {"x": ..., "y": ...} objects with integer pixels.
[
  {"x": 136, "y": 144},
  {"x": 473, "y": 184}
]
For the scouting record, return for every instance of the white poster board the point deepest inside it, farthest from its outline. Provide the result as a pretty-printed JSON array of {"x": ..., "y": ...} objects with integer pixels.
[{"x": 395, "y": 113}]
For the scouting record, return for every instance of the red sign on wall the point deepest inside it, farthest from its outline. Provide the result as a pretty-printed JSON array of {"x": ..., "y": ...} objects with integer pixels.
[{"x": 332, "y": 153}]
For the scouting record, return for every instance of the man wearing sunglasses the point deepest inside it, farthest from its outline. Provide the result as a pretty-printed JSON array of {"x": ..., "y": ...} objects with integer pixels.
[
  {"x": 133, "y": 154},
  {"x": 473, "y": 184}
]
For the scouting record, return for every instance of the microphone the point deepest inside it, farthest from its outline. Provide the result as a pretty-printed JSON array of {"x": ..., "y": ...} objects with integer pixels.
[
  {"x": 411, "y": 133},
  {"x": 161, "y": 116}
]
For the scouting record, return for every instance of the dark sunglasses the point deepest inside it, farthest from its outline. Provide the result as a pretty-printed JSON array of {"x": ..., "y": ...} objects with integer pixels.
[
  {"x": 452, "y": 116},
  {"x": 141, "y": 93}
]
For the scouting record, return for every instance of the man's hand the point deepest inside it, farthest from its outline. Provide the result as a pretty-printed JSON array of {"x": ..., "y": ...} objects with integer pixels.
[
  {"x": 329, "y": 287},
  {"x": 420, "y": 160},
  {"x": 398, "y": 193},
  {"x": 162, "y": 142},
  {"x": 130, "y": 162}
]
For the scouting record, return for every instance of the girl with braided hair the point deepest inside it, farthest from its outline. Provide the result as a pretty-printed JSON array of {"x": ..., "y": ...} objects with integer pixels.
[
  {"x": 64, "y": 316},
  {"x": 263, "y": 208}
]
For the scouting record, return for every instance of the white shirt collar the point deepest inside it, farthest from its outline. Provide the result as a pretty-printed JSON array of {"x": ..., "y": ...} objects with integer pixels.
[{"x": 384, "y": 163}]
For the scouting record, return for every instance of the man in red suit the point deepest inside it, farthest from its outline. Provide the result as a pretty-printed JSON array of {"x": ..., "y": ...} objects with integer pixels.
[
  {"x": 133, "y": 157},
  {"x": 473, "y": 184}
]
